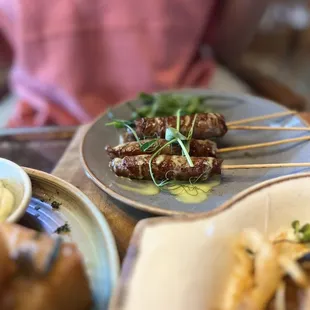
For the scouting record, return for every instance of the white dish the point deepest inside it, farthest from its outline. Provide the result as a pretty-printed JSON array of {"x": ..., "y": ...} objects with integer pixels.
[
  {"x": 18, "y": 182},
  {"x": 183, "y": 263}
]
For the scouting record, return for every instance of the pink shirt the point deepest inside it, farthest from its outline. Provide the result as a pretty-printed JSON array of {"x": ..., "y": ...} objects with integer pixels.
[{"x": 74, "y": 58}]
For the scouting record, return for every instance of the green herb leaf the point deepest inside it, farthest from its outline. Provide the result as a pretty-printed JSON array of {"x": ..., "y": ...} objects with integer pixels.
[
  {"x": 185, "y": 153},
  {"x": 119, "y": 123},
  {"x": 134, "y": 133},
  {"x": 169, "y": 104},
  {"x": 296, "y": 226},
  {"x": 305, "y": 237},
  {"x": 194, "y": 105},
  {"x": 172, "y": 133},
  {"x": 146, "y": 98},
  {"x": 187, "y": 145},
  {"x": 305, "y": 228},
  {"x": 147, "y": 145},
  {"x": 165, "y": 182},
  {"x": 302, "y": 233}
]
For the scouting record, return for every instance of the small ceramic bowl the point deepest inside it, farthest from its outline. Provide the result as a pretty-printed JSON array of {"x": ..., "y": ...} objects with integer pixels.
[
  {"x": 18, "y": 182},
  {"x": 183, "y": 263},
  {"x": 88, "y": 229}
]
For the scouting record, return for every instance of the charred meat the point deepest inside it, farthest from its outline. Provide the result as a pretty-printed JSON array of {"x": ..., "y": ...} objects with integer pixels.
[
  {"x": 206, "y": 125},
  {"x": 198, "y": 148},
  {"x": 165, "y": 167}
]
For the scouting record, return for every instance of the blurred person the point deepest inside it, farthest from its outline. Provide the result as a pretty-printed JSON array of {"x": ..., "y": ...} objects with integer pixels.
[{"x": 74, "y": 58}]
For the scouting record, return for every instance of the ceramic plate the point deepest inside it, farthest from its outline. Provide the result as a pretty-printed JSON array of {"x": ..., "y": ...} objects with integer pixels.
[
  {"x": 18, "y": 182},
  {"x": 96, "y": 162},
  {"x": 88, "y": 229},
  {"x": 193, "y": 255}
]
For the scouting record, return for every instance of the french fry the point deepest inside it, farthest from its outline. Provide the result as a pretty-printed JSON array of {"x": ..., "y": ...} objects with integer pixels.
[
  {"x": 240, "y": 280},
  {"x": 267, "y": 271},
  {"x": 258, "y": 278}
]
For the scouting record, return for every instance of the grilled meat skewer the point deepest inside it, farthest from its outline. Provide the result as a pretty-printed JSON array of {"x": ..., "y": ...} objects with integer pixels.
[
  {"x": 198, "y": 148},
  {"x": 166, "y": 167},
  {"x": 206, "y": 125}
]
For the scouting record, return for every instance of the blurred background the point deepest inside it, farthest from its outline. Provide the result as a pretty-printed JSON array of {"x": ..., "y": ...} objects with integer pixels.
[
  {"x": 281, "y": 48},
  {"x": 276, "y": 66}
]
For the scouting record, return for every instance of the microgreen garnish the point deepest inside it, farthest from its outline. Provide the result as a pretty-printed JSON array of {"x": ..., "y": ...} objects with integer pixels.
[
  {"x": 148, "y": 145},
  {"x": 168, "y": 104},
  {"x": 302, "y": 232},
  {"x": 173, "y": 135},
  {"x": 120, "y": 123},
  {"x": 185, "y": 153},
  {"x": 165, "y": 182},
  {"x": 134, "y": 133},
  {"x": 296, "y": 226},
  {"x": 146, "y": 98},
  {"x": 187, "y": 143}
]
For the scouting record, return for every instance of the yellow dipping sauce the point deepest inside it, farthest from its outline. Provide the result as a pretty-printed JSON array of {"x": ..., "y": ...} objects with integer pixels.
[
  {"x": 6, "y": 202},
  {"x": 193, "y": 193},
  {"x": 183, "y": 192},
  {"x": 145, "y": 188}
]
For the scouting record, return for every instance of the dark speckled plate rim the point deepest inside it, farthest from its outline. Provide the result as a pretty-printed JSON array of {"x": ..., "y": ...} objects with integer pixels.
[
  {"x": 102, "y": 224},
  {"x": 131, "y": 257},
  {"x": 149, "y": 208}
]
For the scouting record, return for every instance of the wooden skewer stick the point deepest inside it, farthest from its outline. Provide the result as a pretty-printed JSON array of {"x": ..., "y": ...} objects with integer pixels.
[
  {"x": 269, "y": 128},
  {"x": 260, "y": 118},
  {"x": 260, "y": 166},
  {"x": 260, "y": 145}
]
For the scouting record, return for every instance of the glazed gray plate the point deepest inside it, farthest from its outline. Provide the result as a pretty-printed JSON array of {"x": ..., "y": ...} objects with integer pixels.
[
  {"x": 96, "y": 162},
  {"x": 88, "y": 229}
]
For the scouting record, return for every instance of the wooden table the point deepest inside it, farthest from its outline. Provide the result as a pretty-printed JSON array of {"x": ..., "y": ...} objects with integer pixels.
[{"x": 45, "y": 154}]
